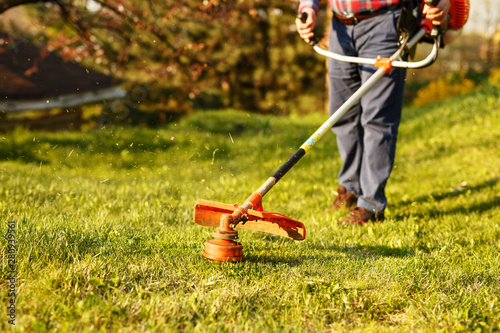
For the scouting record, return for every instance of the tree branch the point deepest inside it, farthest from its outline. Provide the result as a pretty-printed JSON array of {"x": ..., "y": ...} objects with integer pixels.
[{"x": 7, "y": 4}]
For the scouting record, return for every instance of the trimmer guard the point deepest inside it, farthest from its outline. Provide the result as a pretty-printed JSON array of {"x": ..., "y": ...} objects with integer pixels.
[{"x": 208, "y": 213}]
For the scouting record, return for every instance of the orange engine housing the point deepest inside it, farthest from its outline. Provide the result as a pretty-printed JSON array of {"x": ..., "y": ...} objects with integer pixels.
[{"x": 459, "y": 13}]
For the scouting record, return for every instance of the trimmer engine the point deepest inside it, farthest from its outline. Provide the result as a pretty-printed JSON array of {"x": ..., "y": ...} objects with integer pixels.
[
  {"x": 447, "y": 33},
  {"x": 459, "y": 13}
]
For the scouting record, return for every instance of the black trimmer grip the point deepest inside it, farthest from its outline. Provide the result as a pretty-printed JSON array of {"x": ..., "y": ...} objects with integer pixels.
[
  {"x": 303, "y": 18},
  {"x": 437, "y": 30}
]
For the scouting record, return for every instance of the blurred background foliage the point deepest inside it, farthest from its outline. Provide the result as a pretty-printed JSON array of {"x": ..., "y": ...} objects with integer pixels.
[{"x": 194, "y": 55}]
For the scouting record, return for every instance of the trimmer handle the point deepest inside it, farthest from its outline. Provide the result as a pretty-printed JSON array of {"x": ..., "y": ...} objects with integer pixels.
[
  {"x": 303, "y": 18},
  {"x": 437, "y": 30}
]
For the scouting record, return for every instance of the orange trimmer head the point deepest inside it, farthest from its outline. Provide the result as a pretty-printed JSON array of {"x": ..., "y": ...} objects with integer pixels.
[
  {"x": 209, "y": 213},
  {"x": 226, "y": 217}
]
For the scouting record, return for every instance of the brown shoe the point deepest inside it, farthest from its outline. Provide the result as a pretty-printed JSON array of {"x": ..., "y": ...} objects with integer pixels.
[
  {"x": 361, "y": 216},
  {"x": 344, "y": 199}
]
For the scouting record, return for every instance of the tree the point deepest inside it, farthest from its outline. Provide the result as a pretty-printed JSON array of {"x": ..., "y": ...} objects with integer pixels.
[
  {"x": 6, "y": 4},
  {"x": 191, "y": 53}
]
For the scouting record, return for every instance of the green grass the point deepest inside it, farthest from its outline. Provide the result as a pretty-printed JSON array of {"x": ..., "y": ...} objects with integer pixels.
[{"x": 106, "y": 240}]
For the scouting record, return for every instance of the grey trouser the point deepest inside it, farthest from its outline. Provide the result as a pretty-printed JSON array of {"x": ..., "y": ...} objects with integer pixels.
[{"x": 366, "y": 134}]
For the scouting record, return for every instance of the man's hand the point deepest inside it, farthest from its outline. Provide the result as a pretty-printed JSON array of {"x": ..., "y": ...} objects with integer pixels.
[
  {"x": 437, "y": 14},
  {"x": 305, "y": 30}
]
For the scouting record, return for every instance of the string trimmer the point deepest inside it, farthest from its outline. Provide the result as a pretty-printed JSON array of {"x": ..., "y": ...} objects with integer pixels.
[{"x": 250, "y": 215}]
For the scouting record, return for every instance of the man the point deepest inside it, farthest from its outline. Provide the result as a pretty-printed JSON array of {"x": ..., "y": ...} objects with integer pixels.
[{"x": 367, "y": 133}]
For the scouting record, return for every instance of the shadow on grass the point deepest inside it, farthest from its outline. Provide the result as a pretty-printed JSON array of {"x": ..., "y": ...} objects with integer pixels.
[
  {"x": 106, "y": 142},
  {"x": 363, "y": 252},
  {"x": 10, "y": 153},
  {"x": 379, "y": 251},
  {"x": 493, "y": 201},
  {"x": 29, "y": 150},
  {"x": 330, "y": 253},
  {"x": 270, "y": 258}
]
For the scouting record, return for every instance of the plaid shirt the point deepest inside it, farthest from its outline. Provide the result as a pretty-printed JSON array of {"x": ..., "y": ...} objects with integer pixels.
[{"x": 350, "y": 7}]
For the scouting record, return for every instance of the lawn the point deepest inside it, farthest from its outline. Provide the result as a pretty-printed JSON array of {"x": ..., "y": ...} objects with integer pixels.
[{"x": 105, "y": 238}]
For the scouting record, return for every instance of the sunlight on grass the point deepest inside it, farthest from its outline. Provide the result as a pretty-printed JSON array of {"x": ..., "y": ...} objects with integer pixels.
[{"x": 106, "y": 238}]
